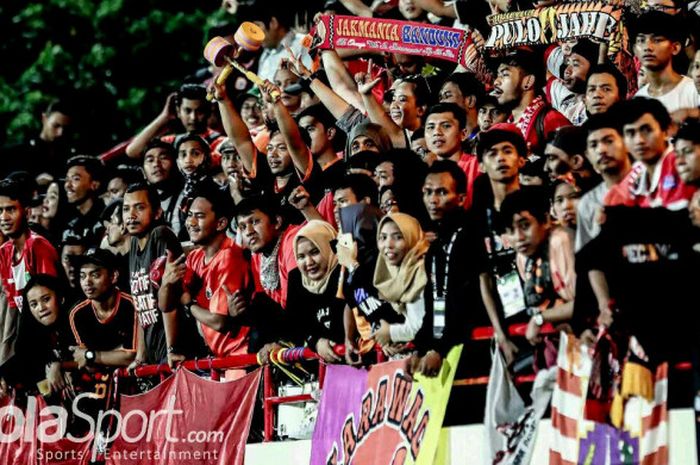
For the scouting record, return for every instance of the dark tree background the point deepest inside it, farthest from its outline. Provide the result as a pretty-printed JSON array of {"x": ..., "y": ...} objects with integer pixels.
[{"x": 116, "y": 59}]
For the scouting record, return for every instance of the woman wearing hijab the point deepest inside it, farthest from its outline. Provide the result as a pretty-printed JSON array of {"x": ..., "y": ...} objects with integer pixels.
[
  {"x": 400, "y": 277},
  {"x": 312, "y": 300}
]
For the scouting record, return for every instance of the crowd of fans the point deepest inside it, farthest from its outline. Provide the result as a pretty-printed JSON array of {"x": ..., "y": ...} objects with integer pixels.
[{"x": 382, "y": 200}]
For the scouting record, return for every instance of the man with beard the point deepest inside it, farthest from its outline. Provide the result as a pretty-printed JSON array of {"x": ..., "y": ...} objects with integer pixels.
[
  {"x": 211, "y": 275},
  {"x": 24, "y": 255},
  {"x": 162, "y": 336},
  {"x": 567, "y": 94},
  {"x": 518, "y": 80}
]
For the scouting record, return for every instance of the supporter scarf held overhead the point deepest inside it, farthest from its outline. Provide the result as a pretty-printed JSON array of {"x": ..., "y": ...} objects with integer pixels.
[{"x": 406, "y": 37}]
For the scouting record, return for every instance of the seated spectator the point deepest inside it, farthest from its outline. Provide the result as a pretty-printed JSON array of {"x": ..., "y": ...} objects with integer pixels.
[
  {"x": 118, "y": 181},
  {"x": 466, "y": 91},
  {"x": 545, "y": 260},
  {"x": 117, "y": 241},
  {"x": 312, "y": 301}
]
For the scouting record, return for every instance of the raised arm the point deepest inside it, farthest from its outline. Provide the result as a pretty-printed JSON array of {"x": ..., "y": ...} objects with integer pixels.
[
  {"x": 301, "y": 156},
  {"x": 375, "y": 111},
  {"x": 154, "y": 129},
  {"x": 331, "y": 100},
  {"x": 340, "y": 79},
  {"x": 235, "y": 128}
]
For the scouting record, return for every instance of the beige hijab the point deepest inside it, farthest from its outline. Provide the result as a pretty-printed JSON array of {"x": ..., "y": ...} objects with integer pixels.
[
  {"x": 320, "y": 234},
  {"x": 403, "y": 284}
]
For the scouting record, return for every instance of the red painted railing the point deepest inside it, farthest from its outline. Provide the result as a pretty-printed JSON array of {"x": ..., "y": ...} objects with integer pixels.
[{"x": 271, "y": 400}]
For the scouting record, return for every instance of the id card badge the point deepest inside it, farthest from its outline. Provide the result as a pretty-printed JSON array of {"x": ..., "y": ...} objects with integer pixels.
[
  {"x": 511, "y": 293},
  {"x": 438, "y": 318}
]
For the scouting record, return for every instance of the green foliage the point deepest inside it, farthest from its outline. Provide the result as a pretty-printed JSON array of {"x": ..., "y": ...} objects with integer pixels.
[{"x": 116, "y": 59}]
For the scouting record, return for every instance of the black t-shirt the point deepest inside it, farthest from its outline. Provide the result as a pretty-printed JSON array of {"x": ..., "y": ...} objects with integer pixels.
[
  {"x": 118, "y": 330},
  {"x": 454, "y": 279},
  {"x": 647, "y": 257},
  {"x": 88, "y": 226},
  {"x": 313, "y": 185},
  {"x": 360, "y": 293},
  {"x": 146, "y": 269},
  {"x": 315, "y": 315},
  {"x": 332, "y": 175}
]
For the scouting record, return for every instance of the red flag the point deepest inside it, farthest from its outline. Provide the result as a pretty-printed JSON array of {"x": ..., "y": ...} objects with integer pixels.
[{"x": 186, "y": 420}]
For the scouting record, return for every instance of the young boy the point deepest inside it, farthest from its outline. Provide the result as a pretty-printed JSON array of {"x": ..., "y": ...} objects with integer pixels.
[{"x": 545, "y": 259}]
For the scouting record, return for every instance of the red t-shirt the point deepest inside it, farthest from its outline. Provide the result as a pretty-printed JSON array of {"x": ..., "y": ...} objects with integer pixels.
[
  {"x": 38, "y": 256},
  {"x": 228, "y": 267},
  {"x": 527, "y": 123},
  {"x": 663, "y": 188},
  {"x": 470, "y": 166},
  {"x": 286, "y": 262}
]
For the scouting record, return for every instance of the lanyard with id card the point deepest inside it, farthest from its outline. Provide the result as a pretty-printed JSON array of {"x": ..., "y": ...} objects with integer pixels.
[
  {"x": 511, "y": 293},
  {"x": 439, "y": 295}
]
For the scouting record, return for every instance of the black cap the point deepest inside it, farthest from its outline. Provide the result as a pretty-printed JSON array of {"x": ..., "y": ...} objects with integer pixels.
[{"x": 100, "y": 257}]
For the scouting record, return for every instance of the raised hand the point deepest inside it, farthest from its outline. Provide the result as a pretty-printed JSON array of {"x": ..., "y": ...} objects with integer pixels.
[
  {"x": 270, "y": 92},
  {"x": 174, "y": 269},
  {"x": 295, "y": 65},
  {"x": 299, "y": 198},
  {"x": 364, "y": 80},
  {"x": 170, "y": 108}
]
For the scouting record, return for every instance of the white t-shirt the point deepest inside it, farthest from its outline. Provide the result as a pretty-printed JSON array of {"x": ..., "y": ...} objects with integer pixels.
[{"x": 684, "y": 95}]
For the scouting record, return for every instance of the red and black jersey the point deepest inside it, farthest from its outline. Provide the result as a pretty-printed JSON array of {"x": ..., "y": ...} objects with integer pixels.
[{"x": 118, "y": 330}]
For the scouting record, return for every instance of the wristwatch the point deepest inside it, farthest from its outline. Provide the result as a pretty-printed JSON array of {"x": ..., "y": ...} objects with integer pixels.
[
  {"x": 90, "y": 357},
  {"x": 188, "y": 308},
  {"x": 536, "y": 314}
]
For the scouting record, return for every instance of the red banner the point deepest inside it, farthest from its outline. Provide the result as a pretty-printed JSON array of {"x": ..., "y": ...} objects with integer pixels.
[
  {"x": 34, "y": 434},
  {"x": 186, "y": 420}
]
